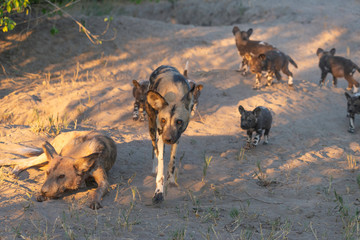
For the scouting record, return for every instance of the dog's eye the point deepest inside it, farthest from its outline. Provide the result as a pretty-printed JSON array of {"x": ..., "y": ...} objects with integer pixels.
[
  {"x": 163, "y": 120},
  {"x": 179, "y": 122},
  {"x": 61, "y": 176}
]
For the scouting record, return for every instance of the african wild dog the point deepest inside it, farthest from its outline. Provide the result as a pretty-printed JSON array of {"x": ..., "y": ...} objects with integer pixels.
[
  {"x": 168, "y": 104},
  {"x": 353, "y": 107},
  {"x": 139, "y": 92},
  {"x": 258, "y": 120},
  {"x": 272, "y": 61},
  {"x": 247, "y": 46},
  {"x": 73, "y": 158},
  {"x": 338, "y": 67},
  {"x": 197, "y": 89}
]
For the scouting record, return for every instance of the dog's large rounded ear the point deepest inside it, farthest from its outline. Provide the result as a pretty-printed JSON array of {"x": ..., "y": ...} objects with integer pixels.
[
  {"x": 257, "y": 112},
  {"x": 348, "y": 96},
  {"x": 249, "y": 32},
  {"x": 262, "y": 56},
  {"x": 235, "y": 30},
  {"x": 241, "y": 110},
  {"x": 332, "y": 51},
  {"x": 155, "y": 100},
  {"x": 49, "y": 151},
  {"x": 319, "y": 51},
  {"x": 135, "y": 83},
  {"x": 83, "y": 165}
]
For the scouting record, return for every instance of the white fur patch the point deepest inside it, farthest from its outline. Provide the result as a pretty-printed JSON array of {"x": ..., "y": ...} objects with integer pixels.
[
  {"x": 262, "y": 43},
  {"x": 290, "y": 81},
  {"x": 355, "y": 89}
]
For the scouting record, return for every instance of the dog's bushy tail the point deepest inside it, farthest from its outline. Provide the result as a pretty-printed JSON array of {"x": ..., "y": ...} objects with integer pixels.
[
  {"x": 292, "y": 61},
  {"x": 186, "y": 68},
  {"x": 29, "y": 152}
]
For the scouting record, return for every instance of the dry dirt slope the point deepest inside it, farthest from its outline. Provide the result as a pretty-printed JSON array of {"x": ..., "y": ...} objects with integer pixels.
[{"x": 89, "y": 88}]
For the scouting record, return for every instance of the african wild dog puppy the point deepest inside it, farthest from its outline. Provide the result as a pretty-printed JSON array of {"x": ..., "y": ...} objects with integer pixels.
[
  {"x": 338, "y": 67},
  {"x": 247, "y": 46},
  {"x": 197, "y": 89},
  {"x": 73, "y": 158},
  {"x": 272, "y": 61},
  {"x": 353, "y": 107},
  {"x": 258, "y": 120},
  {"x": 168, "y": 105},
  {"x": 139, "y": 92}
]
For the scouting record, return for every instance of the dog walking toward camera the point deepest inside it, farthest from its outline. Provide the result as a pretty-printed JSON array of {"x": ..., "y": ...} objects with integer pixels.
[
  {"x": 169, "y": 103},
  {"x": 353, "y": 107},
  {"x": 338, "y": 67},
  {"x": 73, "y": 158},
  {"x": 258, "y": 120},
  {"x": 139, "y": 92},
  {"x": 272, "y": 62},
  {"x": 247, "y": 46}
]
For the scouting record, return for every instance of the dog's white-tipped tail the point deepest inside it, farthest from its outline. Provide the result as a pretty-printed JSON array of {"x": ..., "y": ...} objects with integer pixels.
[
  {"x": 186, "y": 68},
  {"x": 29, "y": 152}
]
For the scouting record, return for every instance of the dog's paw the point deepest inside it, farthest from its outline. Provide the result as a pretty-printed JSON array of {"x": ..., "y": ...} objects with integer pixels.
[
  {"x": 158, "y": 198},
  {"x": 351, "y": 130},
  {"x": 95, "y": 205},
  {"x": 41, "y": 198}
]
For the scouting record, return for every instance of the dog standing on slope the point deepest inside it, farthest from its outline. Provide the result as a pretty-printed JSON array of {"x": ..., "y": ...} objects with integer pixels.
[
  {"x": 139, "y": 92},
  {"x": 197, "y": 90},
  {"x": 353, "y": 107},
  {"x": 73, "y": 157},
  {"x": 168, "y": 105},
  {"x": 338, "y": 67},
  {"x": 246, "y": 47},
  {"x": 258, "y": 120},
  {"x": 273, "y": 62}
]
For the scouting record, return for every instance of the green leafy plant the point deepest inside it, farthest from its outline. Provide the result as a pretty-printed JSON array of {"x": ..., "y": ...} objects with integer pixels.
[{"x": 9, "y": 7}]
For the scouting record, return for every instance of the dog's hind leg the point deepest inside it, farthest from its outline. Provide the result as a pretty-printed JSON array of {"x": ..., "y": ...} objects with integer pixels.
[
  {"x": 159, "y": 191},
  {"x": 26, "y": 163},
  {"x": 266, "y": 136},
  {"x": 351, "y": 123},
  {"x": 352, "y": 83},
  {"x": 171, "y": 167}
]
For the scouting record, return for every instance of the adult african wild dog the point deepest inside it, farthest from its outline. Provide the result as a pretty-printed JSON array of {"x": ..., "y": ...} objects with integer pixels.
[
  {"x": 139, "y": 92},
  {"x": 258, "y": 120},
  {"x": 73, "y": 158},
  {"x": 168, "y": 104},
  {"x": 272, "y": 61},
  {"x": 338, "y": 67},
  {"x": 353, "y": 107},
  {"x": 247, "y": 46}
]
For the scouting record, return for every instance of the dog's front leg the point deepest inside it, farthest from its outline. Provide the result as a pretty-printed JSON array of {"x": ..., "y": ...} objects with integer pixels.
[
  {"x": 136, "y": 111},
  {"x": 100, "y": 178},
  {"x": 257, "y": 81},
  {"x": 158, "y": 196},
  {"x": 248, "y": 140},
  {"x": 257, "y": 137},
  {"x": 171, "y": 167},
  {"x": 351, "y": 123},
  {"x": 323, "y": 76}
]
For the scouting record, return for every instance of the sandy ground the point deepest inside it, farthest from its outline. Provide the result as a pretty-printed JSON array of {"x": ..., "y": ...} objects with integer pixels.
[{"x": 283, "y": 190}]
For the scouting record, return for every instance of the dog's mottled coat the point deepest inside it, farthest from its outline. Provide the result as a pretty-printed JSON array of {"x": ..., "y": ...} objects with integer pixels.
[{"x": 169, "y": 103}]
